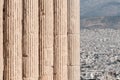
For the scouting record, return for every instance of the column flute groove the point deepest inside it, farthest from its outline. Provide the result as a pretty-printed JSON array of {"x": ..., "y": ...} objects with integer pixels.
[
  {"x": 74, "y": 39},
  {"x": 46, "y": 40},
  {"x": 12, "y": 39},
  {"x": 1, "y": 40},
  {"x": 30, "y": 40},
  {"x": 60, "y": 40}
]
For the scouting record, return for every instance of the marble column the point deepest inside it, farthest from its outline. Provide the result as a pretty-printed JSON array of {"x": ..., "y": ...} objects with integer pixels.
[
  {"x": 74, "y": 39},
  {"x": 12, "y": 40},
  {"x": 60, "y": 40},
  {"x": 30, "y": 40},
  {"x": 46, "y": 40}
]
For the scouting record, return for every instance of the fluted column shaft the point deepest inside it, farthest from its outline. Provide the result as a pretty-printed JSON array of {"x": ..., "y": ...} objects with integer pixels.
[
  {"x": 13, "y": 40},
  {"x": 60, "y": 40},
  {"x": 73, "y": 39},
  {"x": 1, "y": 39},
  {"x": 30, "y": 40},
  {"x": 46, "y": 40}
]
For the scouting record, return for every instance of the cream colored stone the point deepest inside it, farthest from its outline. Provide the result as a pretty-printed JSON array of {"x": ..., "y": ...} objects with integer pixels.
[
  {"x": 39, "y": 42},
  {"x": 60, "y": 72},
  {"x": 74, "y": 72},
  {"x": 13, "y": 40},
  {"x": 74, "y": 39},
  {"x": 74, "y": 49},
  {"x": 31, "y": 78},
  {"x": 46, "y": 77},
  {"x": 74, "y": 17},
  {"x": 1, "y": 39},
  {"x": 46, "y": 70},
  {"x": 46, "y": 73},
  {"x": 60, "y": 50},
  {"x": 47, "y": 57},
  {"x": 46, "y": 40},
  {"x": 60, "y": 40},
  {"x": 30, "y": 40}
]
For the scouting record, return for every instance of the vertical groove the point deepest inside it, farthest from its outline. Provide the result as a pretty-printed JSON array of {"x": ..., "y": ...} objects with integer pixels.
[
  {"x": 13, "y": 40},
  {"x": 74, "y": 39},
  {"x": 60, "y": 40},
  {"x": 30, "y": 40},
  {"x": 1, "y": 40},
  {"x": 46, "y": 40}
]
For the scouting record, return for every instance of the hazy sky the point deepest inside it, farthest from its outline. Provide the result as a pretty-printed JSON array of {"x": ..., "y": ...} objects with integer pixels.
[{"x": 100, "y": 7}]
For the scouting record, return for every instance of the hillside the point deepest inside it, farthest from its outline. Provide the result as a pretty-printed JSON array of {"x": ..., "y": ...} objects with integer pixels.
[{"x": 100, "y": 22}]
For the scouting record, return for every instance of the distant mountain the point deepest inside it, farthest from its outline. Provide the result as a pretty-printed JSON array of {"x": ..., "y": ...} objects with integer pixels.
[
  {"x": 100, "y": 22},
  {"x": 95, "y": 8}
]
